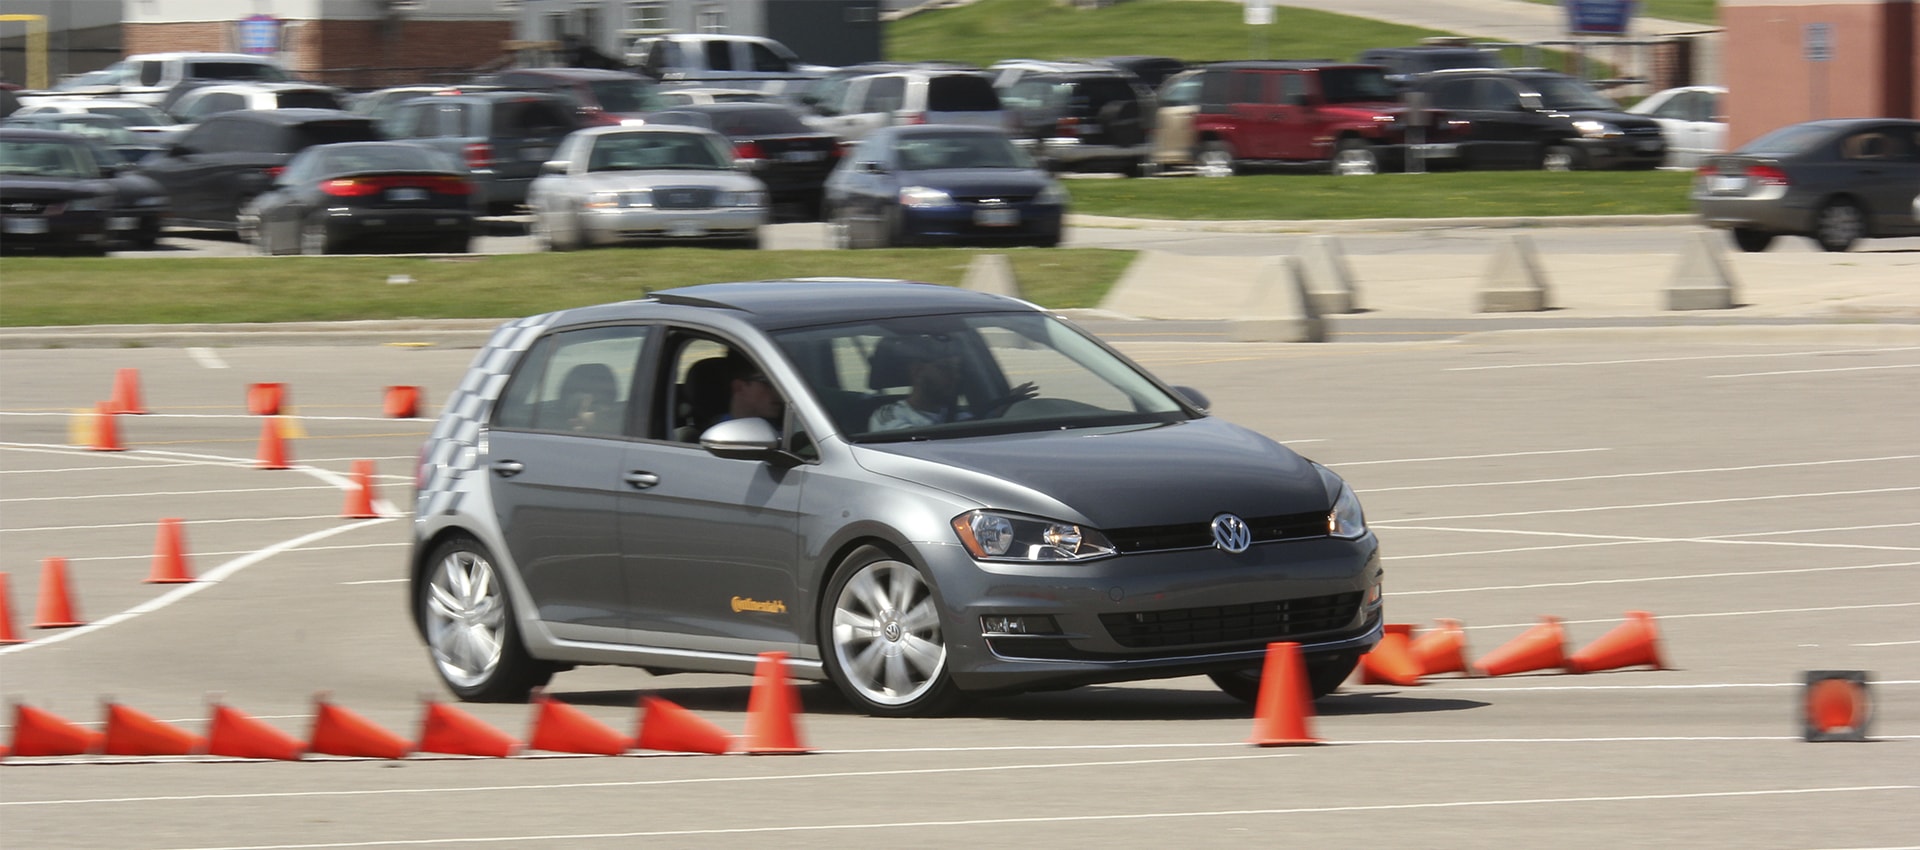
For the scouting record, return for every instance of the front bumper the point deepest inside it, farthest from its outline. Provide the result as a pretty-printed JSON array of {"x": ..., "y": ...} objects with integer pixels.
[
  {"x": 607, "y": 227},
  {"x": 395, "y": 226},
  {"x": 84, "y": 230},
  {"x": 1623, "y": 152},
  {"x": 972, "y": 223},
  {"x": 1156, "y": 615},
  {"x": 1071, "y": 151}
]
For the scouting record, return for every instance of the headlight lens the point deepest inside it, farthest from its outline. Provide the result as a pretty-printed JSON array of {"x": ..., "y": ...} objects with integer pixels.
[
  {"x": 635, "y": 199},
  {"x": 1053, "y": 196},
  {"x": 751, "y": 198},
  {"x": 995, "y": 536},
  {"x": 1597, "y": 129},
  {"x": 1345, "y": 519},
  {"x": 922, "y": 196}
]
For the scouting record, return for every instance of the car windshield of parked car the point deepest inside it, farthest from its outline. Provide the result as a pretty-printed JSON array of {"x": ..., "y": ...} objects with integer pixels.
[
  {"x": 259, "y": 71},
  {"x": 327, "y": 132},
  {"x": 1356, "y": 85},
  {"x": 1793, "y": 139},
  {"x": 1570, "y": 94},
  {"x": 772, "y": 121},
  {"x": 934, "y": 377},
  {"x": 106, "y": 130},
  {"x": 958, "y": 150},
  {"x": 309, "y": 99},
  {"x": 137, "y": 116},
  {"x": 653, "y": 151},
  {"x": 625, "y": 95},
  {"x": 359, "y": 158},
  {"x": 47, "y": 159}
]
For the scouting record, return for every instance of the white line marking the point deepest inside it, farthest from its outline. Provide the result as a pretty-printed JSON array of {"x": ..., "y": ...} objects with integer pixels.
[
  {"x": 1624, "y": 540},
  {"x": 1062, "y": 819},
  {"x": 1647, "y": 505},
  {"x": 206, "y": 358},
  {"x": 1816, "y": 371},
  {"x": 1469, "y": 457},
  {"x": 1890, "y": 643},
  {"x": 1694, "y": 576},
  {"x": 105, "y": 558},
  {"x": 1683, "y": 359},
  {"x": 1697, "y": 687},
  {"x": 1711, "y": 614},
  {"x": 1618, "y": 475},
  {"x": 90, "y": 496},
  {"x": 377, "y": 581},
  {"x": 154, "y": 524}
]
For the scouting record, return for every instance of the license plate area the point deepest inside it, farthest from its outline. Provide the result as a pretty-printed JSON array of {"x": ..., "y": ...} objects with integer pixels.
[
  {"x": 685, "y": 230},
  {"x": 406, "y": 194},
  {"x": 997, "y": 217},
  {"x": 1727, "y": 184},
  {"x": 22, "y": 224}
]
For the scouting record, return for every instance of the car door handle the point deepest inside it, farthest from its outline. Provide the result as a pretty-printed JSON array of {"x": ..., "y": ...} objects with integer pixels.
[
  {"x": 640, "y": 479},
  {"x": 508, "y": 468}
]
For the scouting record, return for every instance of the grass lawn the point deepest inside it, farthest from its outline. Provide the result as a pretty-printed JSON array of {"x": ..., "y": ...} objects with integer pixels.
[
  {"x": 1696, "y": 11},
  {"x": 1449, "y": 194}
]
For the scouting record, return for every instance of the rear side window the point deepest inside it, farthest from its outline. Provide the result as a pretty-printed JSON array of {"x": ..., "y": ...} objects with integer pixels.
[
  {"x": 884, "y": 94},
  {"x": 577, "y": 381},
  {"x": 328, "y": 132},
  {"x": 961, "y": 93},
  {"x": 764, "y": 59},
  {"x": 531, "y": 117},
  {"x": 719, "y": 56},
  {"x": 760, "y": 122},
  {"x": 311, "y": 99}
]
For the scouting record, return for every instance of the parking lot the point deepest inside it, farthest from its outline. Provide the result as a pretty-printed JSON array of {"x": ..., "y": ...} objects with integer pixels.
[{"x": 1757, "y": 496}]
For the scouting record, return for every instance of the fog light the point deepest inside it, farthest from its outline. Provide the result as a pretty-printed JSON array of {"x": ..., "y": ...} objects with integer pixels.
[
  {"x": 1373, "y": 595},
  {"x": 1002, "y": 624}
]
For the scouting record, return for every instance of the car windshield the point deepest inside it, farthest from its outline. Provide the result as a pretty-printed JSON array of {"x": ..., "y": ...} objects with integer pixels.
[
  {"x": 137, "y": 116},
  {"x": 1796, "y": 138},
  {"x": 109, "y": 132},
  {"x": 935, "y": 377},
  {"x": 1356, "y": 85},
  {"x": 773, "y": 121},
  {"x": 47, "y": 159},
  {"x": 1569, "y": 94},
  {"x": 625, "y": 95},
  {"x": 930, "y": 152},
  {"x": 236, "y": 71},
  {"x": 350, "y": 158},
  {"x": 654, "y": 150}
]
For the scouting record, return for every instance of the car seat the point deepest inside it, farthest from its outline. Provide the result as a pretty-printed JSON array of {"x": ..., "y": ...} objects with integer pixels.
[
  {"x": 589, "y": 400},
  {"x": 705, "y": 397}
]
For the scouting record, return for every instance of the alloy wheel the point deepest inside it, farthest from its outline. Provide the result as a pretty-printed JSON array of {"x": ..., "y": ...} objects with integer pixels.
[
  {"x": 886, "y": 634},
  {"x": 465, "y": 613}
]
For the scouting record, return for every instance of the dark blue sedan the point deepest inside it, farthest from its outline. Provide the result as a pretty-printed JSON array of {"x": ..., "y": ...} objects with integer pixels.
[{"x": 939, "y": 184}]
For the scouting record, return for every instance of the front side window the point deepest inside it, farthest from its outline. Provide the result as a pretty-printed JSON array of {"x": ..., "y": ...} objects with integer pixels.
[
  {"x": 884, "y": 94},
  {"x": 574, "y": 382},
  {"x": 926, "y": 152},
  {"x": 1567, "y": 93},
  {"x": 1356, "y": 85}
]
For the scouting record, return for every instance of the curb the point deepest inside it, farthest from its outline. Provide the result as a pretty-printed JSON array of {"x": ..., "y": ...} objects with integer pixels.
[{"x": 1380, "y": 225}]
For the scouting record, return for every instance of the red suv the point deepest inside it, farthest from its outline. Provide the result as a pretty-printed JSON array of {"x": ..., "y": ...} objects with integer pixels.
[{"x": 1348, "y": 116}]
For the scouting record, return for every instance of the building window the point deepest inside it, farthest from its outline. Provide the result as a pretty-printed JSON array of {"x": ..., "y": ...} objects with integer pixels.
[
  {"x": 712, "y": 19},
  {"x": 556, "y": 26},
  {"x": 646, "y": 17}
]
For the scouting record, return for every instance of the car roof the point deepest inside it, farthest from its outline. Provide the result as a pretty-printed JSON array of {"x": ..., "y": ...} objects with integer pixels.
[
  {"x": 577, "y": 73},
  {"x": 195, "y": 54},
  {"x": 806, "y": 302},
  {"x": 730, "y": 106},
  {"x": 301, "y": 115}
]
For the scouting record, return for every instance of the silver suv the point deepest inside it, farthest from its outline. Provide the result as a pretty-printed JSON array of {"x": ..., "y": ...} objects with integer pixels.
[
  {"x": 852, "y": 107},
  {"x": 914, "y": 491}
]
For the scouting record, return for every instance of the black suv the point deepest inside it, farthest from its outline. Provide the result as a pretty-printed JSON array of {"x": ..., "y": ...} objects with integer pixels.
[
  {"x": 231, "y": 157},
  {"x": 1406, "y": 64},
  {"x": 602, "y": 96},
  {"x": 1078, "y": 117},
  {"x": 1534, "y": 118},
  {"x": 503, "y": 136}
]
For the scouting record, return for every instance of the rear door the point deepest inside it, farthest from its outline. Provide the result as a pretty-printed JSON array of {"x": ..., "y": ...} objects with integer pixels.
[
  {"x": 1254, "y": 97},
  {"x": 1882, "y": 164}
]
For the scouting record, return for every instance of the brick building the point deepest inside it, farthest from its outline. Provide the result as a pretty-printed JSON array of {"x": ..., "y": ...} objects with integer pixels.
[{"x": 1787, "y": 62}]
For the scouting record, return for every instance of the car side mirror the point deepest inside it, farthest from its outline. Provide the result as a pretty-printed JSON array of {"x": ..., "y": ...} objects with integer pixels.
[
  {"x": 870, "y": 167},
  {"x": 555, "y": 166},
  {"x": 1529, "y": 103},
  {"x": 1194, "y": 397},
  {"x": 747, "y": 438}
]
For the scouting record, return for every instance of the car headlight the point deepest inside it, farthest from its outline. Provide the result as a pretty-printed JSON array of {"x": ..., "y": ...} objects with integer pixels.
[
  {"x": 635, "y": 199},
  {"x": 1054, "y": 195},
  {"x": 995, "y": 536},
  {"x": 922, "y": 196},
  {"x": 1597, "y": 129},
  {"x": 750, "y": 198},
  {"x": 1344, "y": 519}
]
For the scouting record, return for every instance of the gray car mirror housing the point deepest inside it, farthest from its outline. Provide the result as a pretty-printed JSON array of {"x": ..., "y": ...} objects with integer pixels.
[{"x": 748, "y": 438}]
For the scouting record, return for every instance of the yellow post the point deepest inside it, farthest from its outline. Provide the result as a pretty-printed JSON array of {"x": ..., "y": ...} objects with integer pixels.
[{"x": 36, "y": 48}]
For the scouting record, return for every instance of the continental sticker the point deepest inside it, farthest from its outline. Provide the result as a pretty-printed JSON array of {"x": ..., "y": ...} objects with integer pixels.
[{"x": 775, "y": 606}]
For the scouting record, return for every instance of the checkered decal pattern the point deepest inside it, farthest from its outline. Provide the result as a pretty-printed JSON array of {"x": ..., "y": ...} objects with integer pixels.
[{"x": 452, "y": 448}]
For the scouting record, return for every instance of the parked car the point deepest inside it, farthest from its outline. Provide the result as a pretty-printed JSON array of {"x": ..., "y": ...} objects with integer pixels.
[
  {"x": 231, "y": 157},
  {"x": 149, "y": 77},
  {"x": 139, "y": 117},
  {"x": 771, "y": 143},
  {"x": 956, "y": 493},
  {"x": 1835, "y": 181},
  {"x": 1690, "y": 119},
  {"x": 1533, "y": 118},
  {"x": 363, "y": 196},
  {"x": 651, "y": 183},
  {"x": 140, "y": 204},
  {"x": 1079, "y": 117},
  {"x": 196, "y": 104},
  {"x": 1345, "y": 117},
  {"x": 1406, "y": 64},
  {"x": 54, "y": 195},
  {"x": 380, "y": 103},
  {"x": 717, "y": 58},
  {"x": 855, "y": 106},
  {"x": 1152, "y": 70},
  {"x": 121, "y": 143},
  {"x": 502, "y": 136},
  {"x": 602, "y": 96},
  {"x": 677, "y": 96},
  {"x": 942, "y": 184}
]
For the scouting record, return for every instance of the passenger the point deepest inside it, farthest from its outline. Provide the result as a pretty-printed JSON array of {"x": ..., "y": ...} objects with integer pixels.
[
  {"x": 752, "y": 392},
  {"x": 933, "y": 373}
]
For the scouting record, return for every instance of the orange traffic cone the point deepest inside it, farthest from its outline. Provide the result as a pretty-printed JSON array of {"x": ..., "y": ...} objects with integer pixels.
[
  {"x": 131, "y": 732},
  {"x": 126, "y": 392},
  {"x": 106, "y": 434},
  {"x": 1836, "y": 706},
  {"x": 266, "y": 399},
  {"x": 446, "y": 729},
  {"x": 403, "y": 402},
  {"x": 6, "y": 614},
  {"x": 1442, "y": 650},
  {"x": 360, "y": 493},
  {"x": 1537, "y": 648},
  {"x": 40, "y": 733},
  {"x": 273, "y": 446},
  {"x": 772, "y": 709},
  {"x": 1390, "y": 662},
  {"x": 562, "y": 728},
  {"x": 670, "y": 728},
  {"x": 1635, "y": 641},
  {"x": 169, "y": 556},
  {"x": 1285, "y": 704},
  {"x": 56, "y": 605},
  {"x": 339, "y": 732},
  {"x": 235, "y": 733}
]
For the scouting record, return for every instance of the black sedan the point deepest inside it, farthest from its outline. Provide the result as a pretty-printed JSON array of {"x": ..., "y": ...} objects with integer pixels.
[
  {"x": 1836, "y": 181},
  {"x": 937, "y": 184},
  {"x": 54, "y": 195},
  {"x": 368, "y": 195},
  {"x": 773, "y": 144}
]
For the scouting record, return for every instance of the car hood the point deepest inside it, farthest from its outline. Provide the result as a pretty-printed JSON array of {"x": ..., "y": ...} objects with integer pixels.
[
  {"x": 1111, "y": 478},
  {"x": 979, "y": 181}
]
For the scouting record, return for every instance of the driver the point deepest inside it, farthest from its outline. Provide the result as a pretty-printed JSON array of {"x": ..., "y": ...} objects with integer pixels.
[{"x": 933, "y": 373}]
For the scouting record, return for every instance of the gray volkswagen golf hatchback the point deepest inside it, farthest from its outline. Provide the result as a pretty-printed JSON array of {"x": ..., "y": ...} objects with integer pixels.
[{"x": 914, "y": 491}]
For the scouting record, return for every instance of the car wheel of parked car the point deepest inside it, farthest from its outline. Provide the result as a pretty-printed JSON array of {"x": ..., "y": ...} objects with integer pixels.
[
  {"x": 1355, "y": 156},
  {"x": 840, "y": 231},
  {"x": 1215, "y": 159},
  {"x": 1323, "y": 677},
  {"x": 147, "y": 237},
  {"x": 1751, "y": 241},
  {"x": 467, "y": 620},
  {"x": 313, "y": 239},
  {"x": 1838, "y": 225},
  {"x": 246, "y": 225},
  {"x": 1559, "y": 158},
  {"x": 456, "y": 245},
  {"x": 546, "y": 237},
  {"x": 881, "y": 637}
]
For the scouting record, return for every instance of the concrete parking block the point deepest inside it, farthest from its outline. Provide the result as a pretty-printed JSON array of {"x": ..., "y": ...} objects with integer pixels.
[{"x": 1514, "y": 282}]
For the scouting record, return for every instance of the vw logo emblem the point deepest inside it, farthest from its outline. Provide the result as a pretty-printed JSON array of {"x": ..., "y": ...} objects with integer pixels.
[{"x": 1231, "y": 533}]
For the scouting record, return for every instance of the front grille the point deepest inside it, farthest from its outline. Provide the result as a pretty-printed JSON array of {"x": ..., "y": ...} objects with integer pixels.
[
  {"x": 994, "y": 200},
  {"x": 1251, "y": 621},
  {"x": 1199, "y": 535},
  {"x": 683, "y": 198},
  {"x": 1642, "y": 131},
  {"x": 24, "y": 207}
]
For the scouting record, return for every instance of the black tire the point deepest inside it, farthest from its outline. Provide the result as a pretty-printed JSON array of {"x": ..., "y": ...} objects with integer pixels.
[
  {"x": 881, "y": 638},
  {"x": 457, "y": 244},
  {"x": 1751, "y": 241},
  {"x": 466, "y": 616},
  {"x": 1324, "y": 676},
  {"x": 313, "y": 239},
  {"x": 1559, "y": 158},
  {"x": 840, "y": 231},
  {"x": 1354, "y": 157},
  {"x": 1838, "y": 225}
]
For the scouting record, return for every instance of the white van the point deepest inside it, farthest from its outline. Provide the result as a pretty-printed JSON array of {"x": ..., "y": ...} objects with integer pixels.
[
  {"x": 852, "y": 107},
  {"x": 718, "y": 57},
  {"x": 148, "y": 77}
]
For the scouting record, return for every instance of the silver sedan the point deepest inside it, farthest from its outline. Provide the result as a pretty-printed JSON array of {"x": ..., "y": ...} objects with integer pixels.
[{"x": 625, "y": 184}]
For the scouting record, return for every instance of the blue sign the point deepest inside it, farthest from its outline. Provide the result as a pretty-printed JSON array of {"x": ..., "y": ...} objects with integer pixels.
[
  {"x": 1599, "y": 17},
  {"x": 260, "y": 34},
  {"x": 1819, "y": 42}
]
